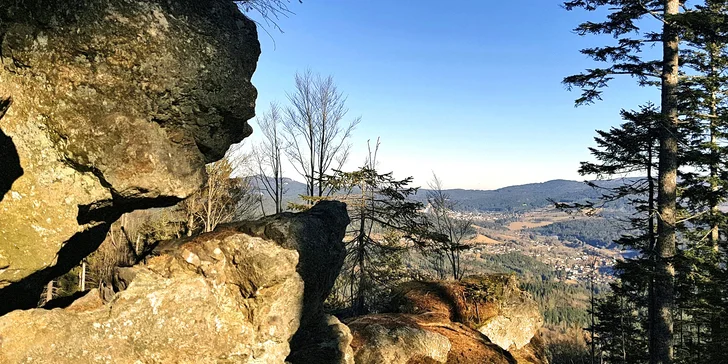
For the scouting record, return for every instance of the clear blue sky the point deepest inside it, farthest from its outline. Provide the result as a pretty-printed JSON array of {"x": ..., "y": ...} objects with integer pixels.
[{"x": 469, "y": 89}]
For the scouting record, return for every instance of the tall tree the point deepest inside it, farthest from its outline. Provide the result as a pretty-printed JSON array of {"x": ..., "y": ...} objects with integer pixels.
[
  {"x": 626, "y": 57},
  {"x": 700, "y": 280},
  {"x": 628, "y": 149},
  {"x": 384, "y": 220},
  {"x": 269, "y": 156},
  {"x": 315, "y": 129}
]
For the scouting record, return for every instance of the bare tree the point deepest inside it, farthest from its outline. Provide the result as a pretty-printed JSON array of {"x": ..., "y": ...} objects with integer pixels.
[
  {"x": 268, "y": 156},
  {"x": 315, "y": 129},
  {"x": 270, "y": 10},
  {"x": 454, "y": 229},
  {"x": 223, "y": 198}
]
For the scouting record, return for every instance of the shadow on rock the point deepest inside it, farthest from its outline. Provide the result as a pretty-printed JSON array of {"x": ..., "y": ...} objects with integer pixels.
[{"x": 9, "y": 159}]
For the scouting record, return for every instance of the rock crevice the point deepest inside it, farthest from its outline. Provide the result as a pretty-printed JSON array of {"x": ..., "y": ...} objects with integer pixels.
[{"x": 116, "y": 106}]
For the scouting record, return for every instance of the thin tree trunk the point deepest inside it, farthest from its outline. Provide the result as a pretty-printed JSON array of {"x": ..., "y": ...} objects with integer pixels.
[
  {"x": 49, "y": 292},
  {"x": 83, "y": 276},
  {"x": 359, "y": 308},
  {"x": 652, "y": 243},
  {"x": 593, "y": 322},
  {"x": 621, "y": 324},
  {"x": 714, "y": 156},
  {"x": 666, "y": 198}
]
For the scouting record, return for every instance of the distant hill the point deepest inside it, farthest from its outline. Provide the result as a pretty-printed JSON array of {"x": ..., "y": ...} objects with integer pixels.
[
  {"x": 518, "y": 198},
  {"x": 524, "y": 197}
]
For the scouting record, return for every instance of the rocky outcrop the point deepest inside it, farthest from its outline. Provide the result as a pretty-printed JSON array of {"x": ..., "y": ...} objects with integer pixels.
[
  {"x": 420, "y": 339},
  {"x": 491, "y": 304},
  {"x": 318, "y": 236},
  {"x": 532, "y": 353},
  {"x": 325, "y": 342},
  {"x": 220, "y": 297},
  {"x": 483, "y": 319},
  {"x": 397, "y": 340},
  {"x": 116, "y": 105},
  {"x": 225, "y": 296}
]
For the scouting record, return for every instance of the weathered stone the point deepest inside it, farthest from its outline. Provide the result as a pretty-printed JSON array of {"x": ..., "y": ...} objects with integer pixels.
[
  {"x": 328, "y": 342},
  {"x": 492, "y": 304},
  {"x": 396, "y": 339},
  {"x": 532, "y": 353},
  {"x": 116, "y": 105},
  {"x": 517, "y": 320},
  {"x": 222, "y": 297},
  {"x": 318, "y": 236}
]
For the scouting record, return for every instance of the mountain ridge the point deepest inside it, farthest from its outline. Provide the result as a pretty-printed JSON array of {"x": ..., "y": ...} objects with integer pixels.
[{"x": 516, "y": 198}]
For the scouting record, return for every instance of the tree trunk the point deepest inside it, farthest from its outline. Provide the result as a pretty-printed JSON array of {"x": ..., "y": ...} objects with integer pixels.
[
  {"x": 652, "y": 243},
  {"x": 714, "y": 152},
  {"x": 82, "y": 276},
  {"x": 360, "y": 256},
  {"x": 662, "y": 352},
  {"x": 49, "y": 292}
]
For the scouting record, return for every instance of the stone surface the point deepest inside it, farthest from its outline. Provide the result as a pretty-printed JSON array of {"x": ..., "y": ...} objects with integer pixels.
[
  {"x": 491, "y": 304},
  {"x": 222, "y": 297},
  {"x": 532, "y": 353},
  {"x": 318, "y": 236},
  {"x": 328, "y": 342},
  {"x": 116, "y": 105},
  {"x": 396, "y": 339},
  {"x": 517, "y": 320},
  {"x": 421, "y": 339}
]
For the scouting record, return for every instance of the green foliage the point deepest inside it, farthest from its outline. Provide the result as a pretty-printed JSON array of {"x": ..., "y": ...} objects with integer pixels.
[
  {"x": 384, "y": 223},
  {"x": 562, "y": 303},
  {"x": 597, "y": 231}
]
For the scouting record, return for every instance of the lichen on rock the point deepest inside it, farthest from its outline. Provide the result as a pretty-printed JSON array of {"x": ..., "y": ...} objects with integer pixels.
[{"x": 116, "y": 105}]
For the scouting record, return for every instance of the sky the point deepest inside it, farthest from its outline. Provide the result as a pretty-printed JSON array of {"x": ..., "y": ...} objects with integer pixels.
[{"x": 470, "y": 90}]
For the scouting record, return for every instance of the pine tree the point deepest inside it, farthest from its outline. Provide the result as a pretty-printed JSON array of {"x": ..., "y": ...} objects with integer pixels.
[
  {"x": 626, "y": 58},
  {"x": 629, "y": 149},
  {"x": 384, "y": 223},
  {"x": 700, "y": 284}
]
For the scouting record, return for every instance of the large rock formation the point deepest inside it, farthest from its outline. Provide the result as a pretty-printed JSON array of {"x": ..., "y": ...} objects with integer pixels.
[
  {"x": 420, "y": 339},
  {"x": 485, "y": 319},
  {"x": 222, "y": 297},
  {"x": 318, "y": 236},
  {"x": 396, "y": 339},
  {"x": 491, "y": 304},
  {"x": 116, "y": 105}
]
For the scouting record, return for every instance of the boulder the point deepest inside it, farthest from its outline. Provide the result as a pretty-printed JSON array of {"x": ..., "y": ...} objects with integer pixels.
[
  {"x": 221, "y": 297},
  {"x": 107, "y": 106},
  {"x": 532, "y": 353},
  {"x": 396, "y": 339},
  {"x": 452, "y": 322},
  {"x": 318, "y": 236},
  {"x": 492, "y": 304},
  {"x": 327, "y": 342},
  {"x": 232, "y": 295},
  {"x": 420, "y": 339}
]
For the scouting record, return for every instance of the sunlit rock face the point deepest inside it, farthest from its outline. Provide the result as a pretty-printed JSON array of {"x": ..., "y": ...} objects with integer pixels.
[
  {"x": 114, "y": 105},
  {"x": 492, "y": 304},
  {"x": 481, "y": 319},
  {"x": 236, "y": 295},
  {"x": 223, "y": 297}
]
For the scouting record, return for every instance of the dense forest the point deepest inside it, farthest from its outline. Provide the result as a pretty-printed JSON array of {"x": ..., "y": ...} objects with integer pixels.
[{"x": 598, "y": 231}]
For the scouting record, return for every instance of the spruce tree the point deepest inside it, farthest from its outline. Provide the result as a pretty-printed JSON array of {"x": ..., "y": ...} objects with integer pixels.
[
  {"x": 626, "y": 57},
  {"x": 630, "y": 148}
]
